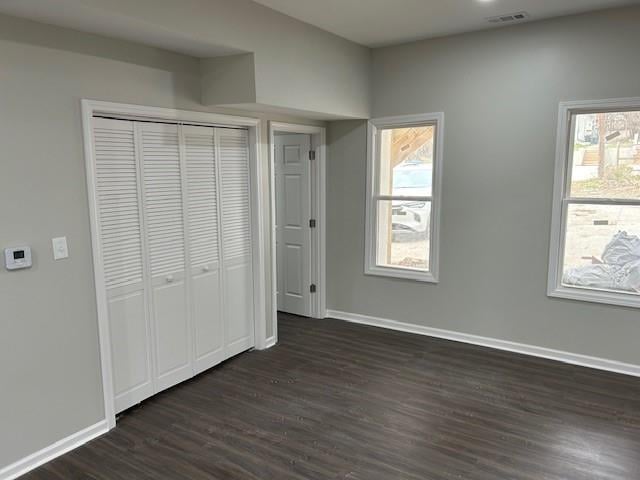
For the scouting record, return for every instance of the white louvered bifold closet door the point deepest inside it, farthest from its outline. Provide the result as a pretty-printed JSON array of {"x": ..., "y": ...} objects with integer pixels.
[
  {"x": 165, "y": 247},
  {"x": 237, "y": 271},
  {"x": 174, "y": 224},
  {"x": 204, "y": 246},
  {"x": 119, "y": 214}
]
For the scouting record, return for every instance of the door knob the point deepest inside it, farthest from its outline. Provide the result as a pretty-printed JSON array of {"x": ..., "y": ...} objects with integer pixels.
[
  {"x": 169, "y": 278},
  {"x": 205, "y": 268}
]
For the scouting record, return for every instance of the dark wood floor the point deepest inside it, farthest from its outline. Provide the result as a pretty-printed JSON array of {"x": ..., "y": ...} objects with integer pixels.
[{"x": 340, "y": 401}]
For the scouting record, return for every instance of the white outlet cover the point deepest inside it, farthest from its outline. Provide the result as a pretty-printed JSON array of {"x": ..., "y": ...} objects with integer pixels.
[{"x": 60, "y": 248}]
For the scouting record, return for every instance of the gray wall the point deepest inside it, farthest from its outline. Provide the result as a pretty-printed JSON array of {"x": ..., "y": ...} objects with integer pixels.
[
  {"x": 228, "y": 79},
  {"x": 50, "y": 379},
  {"x": 500, "y": 92},
  {"x": 297, "y": 65}
]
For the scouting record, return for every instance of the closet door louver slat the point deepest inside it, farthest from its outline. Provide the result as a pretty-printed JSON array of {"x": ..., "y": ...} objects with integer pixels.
[
  {"x": 234, "y": 171},
  {"x": 163, "y": 198},
  {"x": 202, "y": 193},
  {"x": 116, "y": 181}
]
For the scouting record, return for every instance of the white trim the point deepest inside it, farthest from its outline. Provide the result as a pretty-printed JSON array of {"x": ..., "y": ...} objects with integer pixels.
[
  {"x": 400, "y": 121},
  {"x": 408, "y": 198},
  {"x": 54, "y": 450},
  {"x": 562, "y": 176},
  {"x": 143, "y": 112},
  {"x": 270, "y": 342},
  {"x": 321, "y": 215},
  {"x": 258, "y": 208},
  {"x": 532, "y": 350},
  {"x": 92, "y": 107},
  {"x": 595, "y": 296},
  {"x": 104, "y": 333},
  {"x": 404, "y": 273},
  {"x": 603, "y": 105},
  {"x": 318, "y": 203},
  {"x": 371, "y": 266},
  {"x": 603, "y": 201}
]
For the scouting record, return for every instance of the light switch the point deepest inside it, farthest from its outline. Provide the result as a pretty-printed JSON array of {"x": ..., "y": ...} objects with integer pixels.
[{"x": 60, "y": 249}]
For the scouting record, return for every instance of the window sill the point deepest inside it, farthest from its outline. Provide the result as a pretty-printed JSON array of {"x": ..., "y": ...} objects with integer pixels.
[
  {"x": 596, "y": 296},
  {"x": 406, "y": 274}
]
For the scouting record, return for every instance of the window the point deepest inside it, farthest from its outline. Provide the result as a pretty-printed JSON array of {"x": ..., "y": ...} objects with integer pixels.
[
  {"x": 403, "y": 196},
  {"x": 595, "y": 244}
]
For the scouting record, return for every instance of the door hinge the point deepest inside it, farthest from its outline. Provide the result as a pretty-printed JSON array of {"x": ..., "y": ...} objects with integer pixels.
[
  {"x": 312, "y": 223},
  {"x": 312, "y": 154},
  {"x": 312, "y": 288}
]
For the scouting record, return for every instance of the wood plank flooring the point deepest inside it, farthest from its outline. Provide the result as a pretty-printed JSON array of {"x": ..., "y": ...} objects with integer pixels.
[{"x": 340, "y": 401}]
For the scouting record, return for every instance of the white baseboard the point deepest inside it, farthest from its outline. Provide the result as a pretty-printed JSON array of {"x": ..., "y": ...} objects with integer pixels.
[
  {"x": 52, "y": 451},
  {"x": 270, "y": 342},
  {"x": 565, "y": 357}
]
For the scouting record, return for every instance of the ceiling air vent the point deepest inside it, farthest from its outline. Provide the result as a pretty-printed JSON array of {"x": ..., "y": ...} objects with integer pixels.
[{"x": 512, "y": 17}]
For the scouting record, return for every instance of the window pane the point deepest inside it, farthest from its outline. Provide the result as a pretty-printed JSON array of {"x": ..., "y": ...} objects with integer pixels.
[
  {"x": 403, "y": 234},
  {"x": 602, "y": 248},
  {"x": 406, "y": 161},
  {"x": 606, "y": 155}
]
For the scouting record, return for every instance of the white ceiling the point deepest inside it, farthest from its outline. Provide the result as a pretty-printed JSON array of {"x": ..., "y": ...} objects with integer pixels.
[
  {"x": 368, "y": 22},
  {"x": 377, "y": 23}
]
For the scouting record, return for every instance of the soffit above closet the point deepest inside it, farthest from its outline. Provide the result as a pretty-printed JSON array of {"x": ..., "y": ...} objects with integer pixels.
[{"x": 295, "y": 67}]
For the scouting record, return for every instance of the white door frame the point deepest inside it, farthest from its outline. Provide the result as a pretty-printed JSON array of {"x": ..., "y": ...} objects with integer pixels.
[
  {"x": 259, "y": 211},
  {"x": 318, "y": 212}
]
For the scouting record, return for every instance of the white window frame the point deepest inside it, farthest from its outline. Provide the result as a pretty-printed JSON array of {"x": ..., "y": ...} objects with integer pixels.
[
  {"x": 562, "y": 199},
  {"x": 373, "y": 196}
]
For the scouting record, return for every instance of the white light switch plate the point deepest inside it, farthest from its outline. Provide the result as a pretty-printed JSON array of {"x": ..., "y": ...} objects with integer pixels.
[{"x": 60, "y": 248}]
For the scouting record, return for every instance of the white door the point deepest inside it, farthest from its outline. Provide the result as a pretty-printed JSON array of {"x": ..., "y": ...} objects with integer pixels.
[
  {"x": 174, "y": 224},
  {"x": 204, "y": 246},
  {"x": 165, "y": 246},
  {"x": 237, "y": 269},
  {"x": 293, "y": 214},
  {"x": 120, "y": 229}
]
